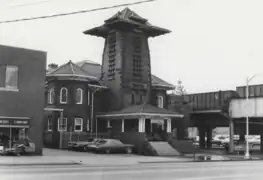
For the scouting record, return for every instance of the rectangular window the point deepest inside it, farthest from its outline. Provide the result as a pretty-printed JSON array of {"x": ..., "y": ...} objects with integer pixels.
[
  {"x": 88, "y": 97},
  {"x": 49, "y": 124},
  {"x": 160, "y": 101},
  {"x": 132, "y": 99},
  {"x": 11, "y": 77},
  {"x": 88, "y": 125},
  {"x": 62, "y": 124},
  {"x": 78, "y": 124}
]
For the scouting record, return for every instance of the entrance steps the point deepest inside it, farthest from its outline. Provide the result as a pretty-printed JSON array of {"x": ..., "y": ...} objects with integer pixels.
[{"x": 163, "y": 148}]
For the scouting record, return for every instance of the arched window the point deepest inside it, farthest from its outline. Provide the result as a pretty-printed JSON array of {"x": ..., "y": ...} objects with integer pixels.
[
  {"x": 63, "y": 95},
  {"x": 79, "y": 96},
  {"x": 51, "y": 96}
]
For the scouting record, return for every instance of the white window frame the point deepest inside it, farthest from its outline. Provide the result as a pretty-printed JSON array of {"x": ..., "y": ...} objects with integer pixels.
[
  {"x": 63, "y": 102},
  {"x": 50, "y": 97},
  {"x": 160, "y": 101},
  {"x": 60, "y": 125},
  {"x": 81, "y": 129},
  {"x": 49, "y": 125},
  {"x": 79, "y": 90}
]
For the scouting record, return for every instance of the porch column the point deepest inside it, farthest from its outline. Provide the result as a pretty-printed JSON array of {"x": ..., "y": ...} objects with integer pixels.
[
  {"x": 122, "y": 125},
  {"x": 169, "y": 125},
  {"x": 142, "y": 124}
]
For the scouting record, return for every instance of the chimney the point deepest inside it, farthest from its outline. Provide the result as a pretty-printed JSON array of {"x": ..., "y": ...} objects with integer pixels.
[{"x": 52, "y": 66}]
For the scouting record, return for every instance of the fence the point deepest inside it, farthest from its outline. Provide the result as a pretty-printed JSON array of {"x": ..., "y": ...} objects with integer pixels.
[{"x": 79, "y": 136}]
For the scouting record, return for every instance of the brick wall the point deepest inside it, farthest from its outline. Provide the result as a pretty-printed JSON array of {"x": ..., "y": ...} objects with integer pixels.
[{"x": 29, "y": 100}]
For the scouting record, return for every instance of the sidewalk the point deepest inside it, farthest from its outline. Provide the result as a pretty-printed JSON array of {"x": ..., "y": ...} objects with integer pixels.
[{"x": 64, "y": 157}]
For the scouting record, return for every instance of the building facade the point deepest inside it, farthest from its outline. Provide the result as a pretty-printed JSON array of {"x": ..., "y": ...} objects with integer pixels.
[
  {"x": 22, "y": 93},
  {"x": 121, "y": 93}
]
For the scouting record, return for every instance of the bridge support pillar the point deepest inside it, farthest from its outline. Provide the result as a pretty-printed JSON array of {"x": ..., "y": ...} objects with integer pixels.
[
  {"x": 261, "y": 143},
  {"x": 201, "y": 137},
  {"x": 231, "y": 135},
  {"x": 209, "y": 137}
]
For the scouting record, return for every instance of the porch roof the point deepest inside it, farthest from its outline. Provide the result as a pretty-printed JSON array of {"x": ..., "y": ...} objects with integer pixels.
[{"x": 140, "y": 110}]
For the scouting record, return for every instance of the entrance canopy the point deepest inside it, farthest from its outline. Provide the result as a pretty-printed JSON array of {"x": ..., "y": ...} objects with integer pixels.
[
  {"x": 14, "y": 122},
  {"x": 146, "y": 110}
]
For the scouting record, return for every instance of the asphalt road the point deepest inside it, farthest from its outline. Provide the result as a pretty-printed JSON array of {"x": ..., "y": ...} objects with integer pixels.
[{"x": 177, "y": 171}]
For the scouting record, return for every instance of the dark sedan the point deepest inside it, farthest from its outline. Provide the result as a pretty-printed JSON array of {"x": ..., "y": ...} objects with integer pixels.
[
  {"x": 81, "y": 145},
  {"x": 110, "y": 146}
]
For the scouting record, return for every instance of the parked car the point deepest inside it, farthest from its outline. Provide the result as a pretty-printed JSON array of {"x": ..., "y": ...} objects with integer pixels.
[
  {"x": 24, "y": 146},
  {"x": 110, "y": 146},
  {"x": 81, "y": 145},
  {"x": 19, "y": 147}
]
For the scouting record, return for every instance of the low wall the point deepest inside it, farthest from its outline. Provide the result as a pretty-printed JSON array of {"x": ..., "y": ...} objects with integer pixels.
[
  {"x": 51, "y": 139},
  {"x": 182, "y": 146}
]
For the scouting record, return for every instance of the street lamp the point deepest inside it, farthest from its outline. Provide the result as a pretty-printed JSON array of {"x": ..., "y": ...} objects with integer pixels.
[{"x": 247, "y": 155}]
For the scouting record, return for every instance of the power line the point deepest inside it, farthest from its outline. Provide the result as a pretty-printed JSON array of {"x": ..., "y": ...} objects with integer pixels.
[
  {"x": 25, "y": 4},
  {"x": 76, "y": 12},
  {"x": 29, "y": 4}
]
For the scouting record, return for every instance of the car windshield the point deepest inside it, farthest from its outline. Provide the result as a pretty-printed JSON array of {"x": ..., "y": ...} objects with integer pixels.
[{"x": 100, "y": 141}]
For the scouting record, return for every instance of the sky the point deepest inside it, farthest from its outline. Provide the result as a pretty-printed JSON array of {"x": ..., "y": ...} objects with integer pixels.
[{"x": 214, "y": 44}]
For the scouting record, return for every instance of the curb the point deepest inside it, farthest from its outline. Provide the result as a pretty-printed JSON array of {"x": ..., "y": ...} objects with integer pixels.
[
  {"x": 198, "y": 161},
  {"x": 39, "y": 164}
]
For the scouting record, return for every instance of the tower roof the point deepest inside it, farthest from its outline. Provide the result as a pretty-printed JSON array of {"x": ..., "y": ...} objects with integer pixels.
[{"x": 126, "y": 20}]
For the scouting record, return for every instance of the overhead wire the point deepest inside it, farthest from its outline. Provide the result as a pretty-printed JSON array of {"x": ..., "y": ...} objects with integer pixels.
[
  {"x": 29, "y": 4},
  {"x": 76, "y": 12},
  {"x": 25, "y": 4}
]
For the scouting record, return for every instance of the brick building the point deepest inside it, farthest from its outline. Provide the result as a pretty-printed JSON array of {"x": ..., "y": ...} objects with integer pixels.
[
  {"x": 121, "y": 92},
  {"x": 22, "y": 93}
]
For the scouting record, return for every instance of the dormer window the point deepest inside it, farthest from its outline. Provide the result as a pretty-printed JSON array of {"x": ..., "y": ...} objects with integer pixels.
[
  {"x": 79, "y": 96},
  {"x": 63, "y": 95}
]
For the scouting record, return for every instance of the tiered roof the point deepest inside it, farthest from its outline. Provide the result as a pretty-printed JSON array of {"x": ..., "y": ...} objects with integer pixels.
[{"x": 126, "y": 19}]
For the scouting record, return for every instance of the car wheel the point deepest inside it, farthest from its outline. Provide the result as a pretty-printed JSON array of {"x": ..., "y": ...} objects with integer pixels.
[
  {"x": 107, "y": 151},
  {"x": 129, "y": 150}
]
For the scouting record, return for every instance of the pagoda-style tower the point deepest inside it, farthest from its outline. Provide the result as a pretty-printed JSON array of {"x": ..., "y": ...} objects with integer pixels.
[{"x": 126, "y": 63}]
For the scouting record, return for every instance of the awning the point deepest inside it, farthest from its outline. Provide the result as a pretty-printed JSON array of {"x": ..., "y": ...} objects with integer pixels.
[
  {"x": 14, "y": 122},
  {"x": 141, "y": 110}
]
